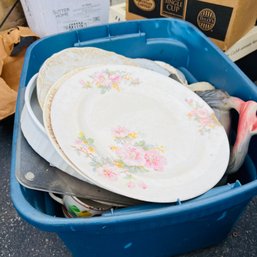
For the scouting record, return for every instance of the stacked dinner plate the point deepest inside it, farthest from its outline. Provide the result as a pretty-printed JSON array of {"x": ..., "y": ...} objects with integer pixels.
[{"x": 124, "y": 125}]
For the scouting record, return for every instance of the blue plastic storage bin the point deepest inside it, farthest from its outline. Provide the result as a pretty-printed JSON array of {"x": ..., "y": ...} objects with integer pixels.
[{"x": 146, "y": 230}]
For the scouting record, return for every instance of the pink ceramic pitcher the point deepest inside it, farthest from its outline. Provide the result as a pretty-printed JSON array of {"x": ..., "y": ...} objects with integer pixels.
[
  {"x": 247, "y": 127},
  {"x": 222, "y": 103}
]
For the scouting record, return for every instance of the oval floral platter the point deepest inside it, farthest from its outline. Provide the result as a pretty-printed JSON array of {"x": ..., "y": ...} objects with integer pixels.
[
  {"x": 137, "y": 133},
  {"x": 71, "y": 58}
]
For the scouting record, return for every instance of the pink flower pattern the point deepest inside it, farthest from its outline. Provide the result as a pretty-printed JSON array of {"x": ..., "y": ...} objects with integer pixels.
[
  {"x": 131, "y": 155},
  {"x": 109, "y": 172},
  {"x": 135, "y": 154},
  {"x": 107, "y": 79},
  {"x": 120, "y": 132},
  {"x": 205, "y": 119},
  {"x": 154, "y": 160}
]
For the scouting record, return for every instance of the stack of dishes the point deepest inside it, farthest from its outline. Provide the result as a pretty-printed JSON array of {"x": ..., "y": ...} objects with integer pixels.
[{"x": 124, "y": 125}]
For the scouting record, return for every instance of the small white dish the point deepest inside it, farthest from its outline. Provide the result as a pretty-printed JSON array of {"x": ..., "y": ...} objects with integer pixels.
[
  {"x": 35, "y": 134},
  {"x": 80, "y": 207}
]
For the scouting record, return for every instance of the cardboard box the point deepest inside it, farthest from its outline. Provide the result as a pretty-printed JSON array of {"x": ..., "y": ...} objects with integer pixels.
[
  {"x": 244, "y": 46},
  {"x": 11, "y": 14},
  {"x": 54, "y": 16},
  {"x": 224, "y": 21}
]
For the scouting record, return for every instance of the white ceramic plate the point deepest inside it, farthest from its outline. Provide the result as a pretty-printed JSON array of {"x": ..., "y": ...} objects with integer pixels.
[
  {"x": 33, "y": 130},
  {"x": 71, "y": 58},
  {"x": 48, "y": 125},
  {"x": 138, "y": 133}
]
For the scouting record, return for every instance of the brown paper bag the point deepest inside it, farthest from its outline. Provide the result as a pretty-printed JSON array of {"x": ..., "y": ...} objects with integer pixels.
[{"x": 13, "y": 44}]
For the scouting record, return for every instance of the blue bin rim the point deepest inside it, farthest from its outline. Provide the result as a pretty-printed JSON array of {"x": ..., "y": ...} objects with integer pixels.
[
  {"x": 24, "y": 79},
  {"x": 199, "y": 208}
]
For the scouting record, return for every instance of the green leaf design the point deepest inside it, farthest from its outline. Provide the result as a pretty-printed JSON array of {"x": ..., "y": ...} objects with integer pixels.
[
  {"x": 87, "y": 85},
  {"x": 90, "y": 141},
  {"x": 103, "y": 89},
  {"x": 82, "y": 137},
  {"x": 135, "y": 169},
  {"x": 73, "y": 209},
  {"x": 141, "y": 143}
]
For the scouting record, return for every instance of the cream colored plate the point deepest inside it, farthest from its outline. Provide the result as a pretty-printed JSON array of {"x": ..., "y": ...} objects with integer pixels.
[
  {"x": 138, "y": 133},
  {"x": 48, "y": 125},
  {"x": 71, "y": 58}
]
